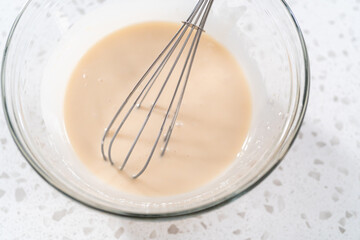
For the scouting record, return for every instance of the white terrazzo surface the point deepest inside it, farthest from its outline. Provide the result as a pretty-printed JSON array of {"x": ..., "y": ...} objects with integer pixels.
[{"x": 314, "y": 194}]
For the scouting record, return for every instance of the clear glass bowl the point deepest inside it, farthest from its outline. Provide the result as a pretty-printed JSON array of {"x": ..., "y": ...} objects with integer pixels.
[{"x": 262, "y": 35}]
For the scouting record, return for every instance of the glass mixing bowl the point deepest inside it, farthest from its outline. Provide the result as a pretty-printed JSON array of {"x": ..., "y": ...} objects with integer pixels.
[{"x": 262, "y": 35}]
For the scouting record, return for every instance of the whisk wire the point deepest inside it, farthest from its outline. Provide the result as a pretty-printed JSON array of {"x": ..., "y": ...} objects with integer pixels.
[
  {"x": 159, "y": 95},
  {"x": 182, "y": 31},
  {"x": 201, "y": 10}
]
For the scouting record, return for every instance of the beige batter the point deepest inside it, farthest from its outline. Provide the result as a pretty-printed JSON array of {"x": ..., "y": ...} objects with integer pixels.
[{"x": 210, "y": 130}]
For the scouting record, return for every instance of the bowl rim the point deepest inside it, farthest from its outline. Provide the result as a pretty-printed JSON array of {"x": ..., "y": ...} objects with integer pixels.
[{"x": 183, "y": 213}]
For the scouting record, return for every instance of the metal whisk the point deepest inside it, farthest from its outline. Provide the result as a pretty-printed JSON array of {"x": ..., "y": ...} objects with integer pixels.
[{"x": 194, "y": 24}]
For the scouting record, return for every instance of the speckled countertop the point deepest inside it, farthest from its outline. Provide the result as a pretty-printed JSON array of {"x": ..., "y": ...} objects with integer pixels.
[{"x": 313, "y": 194}]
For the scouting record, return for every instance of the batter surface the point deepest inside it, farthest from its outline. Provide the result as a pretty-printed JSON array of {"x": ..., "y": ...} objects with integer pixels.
[{"x": 213, "y": 123}]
